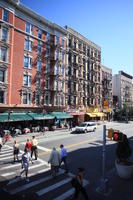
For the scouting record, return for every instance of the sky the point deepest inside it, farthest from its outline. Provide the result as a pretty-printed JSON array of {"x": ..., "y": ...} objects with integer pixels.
[{"x": 107, "y": 23}]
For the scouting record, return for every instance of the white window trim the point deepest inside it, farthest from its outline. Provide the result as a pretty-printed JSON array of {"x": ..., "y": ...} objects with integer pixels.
[{"x": 29, "y": 56}]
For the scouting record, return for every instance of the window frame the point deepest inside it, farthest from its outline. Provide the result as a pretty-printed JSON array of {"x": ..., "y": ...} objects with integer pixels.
[
  {"x": 30, "y": 28},
  {"x": 3, "y": 15}
]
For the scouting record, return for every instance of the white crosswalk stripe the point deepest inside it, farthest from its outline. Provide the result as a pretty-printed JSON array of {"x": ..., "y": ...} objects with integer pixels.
[{"x": 41, "y": 182}]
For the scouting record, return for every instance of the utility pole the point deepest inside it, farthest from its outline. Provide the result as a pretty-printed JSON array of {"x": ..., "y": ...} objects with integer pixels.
[{"x": 104, "y": 183}]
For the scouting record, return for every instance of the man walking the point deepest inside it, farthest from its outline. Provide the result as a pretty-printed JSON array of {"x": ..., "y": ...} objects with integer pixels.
[
  {"x": 54, "y": 160},
  {"x": 1, "y": 143},
  {"x": 25, "y": 163},
  {"x": 64, "y": 157},
  {"x": 34, "y": 147},
  {"x": 77, "y": 183},
  {"x": 70, "y": 125}
]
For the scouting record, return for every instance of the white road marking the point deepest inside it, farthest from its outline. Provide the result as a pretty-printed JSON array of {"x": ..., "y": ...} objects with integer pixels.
[
  {"x": 31, "y": 184},
  {"x": 30, "y": 167},
  {"x": 43, "y": 148},
  {"x": 69, "y": 193},
  {"x": 52, "y": 187},
  {"x": 6, "y": 154},
  {"x": 8, "y": 157}
]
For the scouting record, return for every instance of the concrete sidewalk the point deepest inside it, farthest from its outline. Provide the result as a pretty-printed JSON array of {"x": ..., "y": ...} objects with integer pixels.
[{"x": 121, "y": 189}]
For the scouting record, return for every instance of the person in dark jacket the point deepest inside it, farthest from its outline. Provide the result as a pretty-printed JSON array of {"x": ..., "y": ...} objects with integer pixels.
[{"x": 78, "y": 184}]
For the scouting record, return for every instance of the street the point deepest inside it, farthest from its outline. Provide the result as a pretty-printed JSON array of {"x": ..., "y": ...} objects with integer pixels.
[{"x": 84, "y": 150}]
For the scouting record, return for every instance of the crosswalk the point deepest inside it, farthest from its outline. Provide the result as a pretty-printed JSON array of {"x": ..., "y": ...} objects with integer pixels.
[{"x": 41, "y": 186}]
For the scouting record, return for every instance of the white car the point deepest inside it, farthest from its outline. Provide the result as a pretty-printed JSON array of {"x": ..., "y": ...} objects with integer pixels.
[{"x": 86, "y": 126}]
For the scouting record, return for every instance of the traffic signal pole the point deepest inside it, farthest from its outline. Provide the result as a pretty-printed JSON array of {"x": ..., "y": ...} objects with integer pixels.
[
  {"x": 104, "y": 152},
  {"x": 104, "y": 183}
]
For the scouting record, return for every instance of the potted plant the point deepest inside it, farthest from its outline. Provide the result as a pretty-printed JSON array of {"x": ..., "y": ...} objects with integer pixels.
[{"x": 124, "y": 166}]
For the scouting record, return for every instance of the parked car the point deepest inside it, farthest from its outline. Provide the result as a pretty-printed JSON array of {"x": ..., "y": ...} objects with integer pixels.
[
  {"x": 26, "y": 130},
  {"x": 18, "y": 131},
  {"x": 86, "y": 126}
]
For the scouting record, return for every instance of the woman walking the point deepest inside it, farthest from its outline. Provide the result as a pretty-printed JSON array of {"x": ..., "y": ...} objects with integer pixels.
[{"x": 15, "y": 150}]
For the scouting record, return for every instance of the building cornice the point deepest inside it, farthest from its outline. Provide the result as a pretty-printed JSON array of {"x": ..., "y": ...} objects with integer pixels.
[
  {"x": 82, "y": 38},
  {"x": 36, "y": 16}
]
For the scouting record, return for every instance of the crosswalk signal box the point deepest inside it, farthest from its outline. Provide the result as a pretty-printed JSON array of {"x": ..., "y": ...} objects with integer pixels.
[{"x": 110, "y": 133}]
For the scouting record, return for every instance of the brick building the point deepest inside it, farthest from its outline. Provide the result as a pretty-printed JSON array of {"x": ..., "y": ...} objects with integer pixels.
[
  {"x": 107, "y": 97},
  {"x": 33, "y": 60},
  {"x": 84, "y": 74}
]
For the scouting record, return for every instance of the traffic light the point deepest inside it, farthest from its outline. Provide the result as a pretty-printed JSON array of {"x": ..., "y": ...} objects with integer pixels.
[
  {"x": 110, "y": 133},
  {"x": 117, "y": 136}
]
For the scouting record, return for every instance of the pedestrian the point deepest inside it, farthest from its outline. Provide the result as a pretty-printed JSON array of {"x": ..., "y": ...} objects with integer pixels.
[
  {"x": 34, "y": 147},
  {"x": 25, "y": 164},
  {"x": 77, "y": 183},
  {"x": 28, "y": 145},
  {"x": 64, "y": 157},
  {"x": 70, "y": 125},
  {"x": 54, "y": 160},
  {"x": 15, "y": 150},
  {"x": 1, "y": 143}
]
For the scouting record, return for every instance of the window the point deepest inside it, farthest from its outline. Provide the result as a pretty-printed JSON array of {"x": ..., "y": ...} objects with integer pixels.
[
  {"x": 63, "y": 43},
  {"x": 3, "y": 54},
  {"x": 56, "y": 84},
  {"x": 47, "y": 84},
  {"x": 57, "y": 40},
  {"x": 29, "y": 28},
  {"x": 2, "y": 96},
  {"x": 69, "y": 70},
  {"x": 47, "y": 37},
  {"x": 26, "y": 98},
  {"x": 62, "y": 85},
  {"x": 38, "y": 99},
  {"x": 2, "y": 75},
  {"x": 46, "y": 99},
  {"x": 39, "y": 65},
  {"x": 69, "y": 99},
  {"x": 27, "y": 62},
  {"x": 56, "y": 100},
  {"x": 40, "y": 33},
  {"x": 27, "y": 80},
  {"x": 62, "y": 100},
  {"x": 5, "y": 15},
  {"x": 47, "y": 51},
  {"x": 4, "y": 34},
  {"x": 63, "y": 70},
  {"x": 38, "y": 82},
  {"x": 47, "y": 66},
  {"x": 63, "y": 56},
  {"x": 39, "y": 48},
  {"x": 56, "y": 69},
  {"x": 28, "y": 45},
  {"x": 57, "y": 55}
]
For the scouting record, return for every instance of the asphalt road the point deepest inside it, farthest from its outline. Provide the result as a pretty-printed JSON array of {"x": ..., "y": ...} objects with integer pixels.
[{"x": 83, "y": 150}]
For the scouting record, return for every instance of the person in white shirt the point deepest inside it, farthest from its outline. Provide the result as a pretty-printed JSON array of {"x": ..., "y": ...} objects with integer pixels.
[
  {"x": 25, "y": 163},
  {"x": 34, "y": 147},
  {"x": 64, "y": 156},
  {"x": 54, "y": 160}
]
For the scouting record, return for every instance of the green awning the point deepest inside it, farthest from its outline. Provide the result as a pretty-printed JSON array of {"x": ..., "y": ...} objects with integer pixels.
[
  {"x": 3, "y": 117},
  {"x": 20, "y": 117},
  {"x": 61, "y": 115},
  {"x": 37, "y": 116},
  {"x": 40, "y": 116},
  {"x": 48, "y": 116}
]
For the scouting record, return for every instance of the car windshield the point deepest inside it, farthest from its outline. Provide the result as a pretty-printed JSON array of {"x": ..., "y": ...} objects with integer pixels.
[{"x": 82, "y": 125}]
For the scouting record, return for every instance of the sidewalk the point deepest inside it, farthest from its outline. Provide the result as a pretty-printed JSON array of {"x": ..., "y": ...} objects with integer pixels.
[{"x": 121, "y": 189}]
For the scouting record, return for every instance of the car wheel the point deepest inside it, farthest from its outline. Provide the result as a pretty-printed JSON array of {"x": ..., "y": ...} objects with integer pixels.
[{"x": 85, "y": 130}]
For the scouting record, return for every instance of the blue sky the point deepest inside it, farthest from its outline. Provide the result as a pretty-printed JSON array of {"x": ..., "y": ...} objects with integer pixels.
[{"x": 108, "y": 23}]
